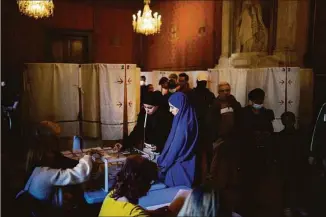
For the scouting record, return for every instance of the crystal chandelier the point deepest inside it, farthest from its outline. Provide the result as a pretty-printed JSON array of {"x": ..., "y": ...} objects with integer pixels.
[
  {"x": 145, "y": 23},
  {"x": 36, "y": 9}
]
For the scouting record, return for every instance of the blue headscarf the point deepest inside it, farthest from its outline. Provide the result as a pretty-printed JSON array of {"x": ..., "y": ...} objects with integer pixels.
[{"x": 180, "y": 145}]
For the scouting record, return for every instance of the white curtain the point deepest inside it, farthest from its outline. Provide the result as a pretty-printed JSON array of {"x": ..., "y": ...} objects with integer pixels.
[
  {"x": 282, "y": 88},
  {"x": 116, "y": 80},
  {"x": 281, "y": 85},
  {"x": 294, "y": 91},
  {"x": 133, "y": 95},
  {"x": 112, "y": 79},
  {"x": 51, "y": 93},
  {"x": 89, "y": 84}
]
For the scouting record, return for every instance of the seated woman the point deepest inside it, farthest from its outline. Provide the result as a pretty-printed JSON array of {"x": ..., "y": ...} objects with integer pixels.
[
  {"x": 51, "y": 131},
  {"x": 177, "y": 160},
  {"x": 45, "y": 172},
  {"x": 132, "y": 182},
  {"x": 153, "y": 124}
]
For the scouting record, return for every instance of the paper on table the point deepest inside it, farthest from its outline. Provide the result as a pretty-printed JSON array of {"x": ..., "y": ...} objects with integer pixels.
[
  {"x": 90, "y": 149},
  {"x": 79, "y": 154},
  {"x": 70, "y": 155},
  {"x": 86, "y": 149},
  {"x": 66, "y": 152}
]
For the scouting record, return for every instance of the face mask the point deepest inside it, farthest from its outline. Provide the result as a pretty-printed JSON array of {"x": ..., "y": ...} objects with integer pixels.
[
  {"x": 257, "y": 106},
  {"x": 173, "y": 90},
  {"x": 142, "y": 83}
]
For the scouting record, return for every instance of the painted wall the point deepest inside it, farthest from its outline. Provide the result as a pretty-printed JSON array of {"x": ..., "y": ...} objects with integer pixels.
[{"x": 190, "y": 36}]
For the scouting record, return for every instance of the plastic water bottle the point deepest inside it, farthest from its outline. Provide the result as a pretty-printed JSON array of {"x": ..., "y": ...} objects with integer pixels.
[{"x": 77, "y": 143}]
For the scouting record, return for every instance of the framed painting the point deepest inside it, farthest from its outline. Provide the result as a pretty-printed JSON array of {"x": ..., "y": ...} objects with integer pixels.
[{"x": 69, "y": 46}]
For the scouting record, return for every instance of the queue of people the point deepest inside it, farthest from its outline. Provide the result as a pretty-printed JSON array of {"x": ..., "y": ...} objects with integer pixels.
[
  {"x": 237, "y": 145},
  {"x": 210, "y": 144}
]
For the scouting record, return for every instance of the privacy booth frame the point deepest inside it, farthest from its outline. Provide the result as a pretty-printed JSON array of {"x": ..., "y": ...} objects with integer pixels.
[{"x": 92, "y": 100}]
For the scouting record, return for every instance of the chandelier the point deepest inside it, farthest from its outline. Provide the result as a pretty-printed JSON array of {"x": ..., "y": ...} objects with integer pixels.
[
  {"x": 145, "y": 23},
  {"x": 36, "y": 9}
]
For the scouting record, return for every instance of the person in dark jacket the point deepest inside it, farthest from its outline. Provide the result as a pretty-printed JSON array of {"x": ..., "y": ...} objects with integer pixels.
[
  {"x": 143, "y": 89},
  {"x": 153, "y": 124},
  {"x": 257, "y": 144},
  {"x": 184, "y": 85},
  {"x": 224, "y": 114},
  {"x": 318, "y": 159},
  {"x": 257, "y": 126},
  {"x": 164, "y": 83},
  {"x": 223, "y": 120},
  {"x": 292, "y": 149},
  {"x": 202, "y": 98},
  {"x": 257, "y": 118}
]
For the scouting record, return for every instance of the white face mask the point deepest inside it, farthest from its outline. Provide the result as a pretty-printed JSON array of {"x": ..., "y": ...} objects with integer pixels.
[
  {"x": 142, "y": 83},
  {"x": 257, "y": 106},
  {"x": 173, "y": 90}
]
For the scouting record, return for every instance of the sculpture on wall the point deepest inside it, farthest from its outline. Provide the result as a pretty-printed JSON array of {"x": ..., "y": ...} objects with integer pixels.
[{"x": 251, "y": 32}]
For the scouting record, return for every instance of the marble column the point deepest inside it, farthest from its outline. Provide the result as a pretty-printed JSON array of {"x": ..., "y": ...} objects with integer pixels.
[{"x": 226, "y": 39}]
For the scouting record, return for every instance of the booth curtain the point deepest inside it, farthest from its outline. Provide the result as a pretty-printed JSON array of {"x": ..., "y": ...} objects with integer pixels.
[
  {"x": 281, "y": 86},
  {"x": 51, "y": 93},
  {"x": 106, "y": 96}
]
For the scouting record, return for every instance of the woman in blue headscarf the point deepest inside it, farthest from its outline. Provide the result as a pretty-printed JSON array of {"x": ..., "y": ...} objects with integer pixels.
[{"x": 177, "y": 160}]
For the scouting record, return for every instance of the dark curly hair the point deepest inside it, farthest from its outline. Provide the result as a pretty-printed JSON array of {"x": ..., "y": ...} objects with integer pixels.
[
  {"x": 256, "y": 94},
  {"x": 134, "y": 179}
]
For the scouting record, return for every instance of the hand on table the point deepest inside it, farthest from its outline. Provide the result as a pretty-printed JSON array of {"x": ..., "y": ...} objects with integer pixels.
[
  {"x": 95, "y": 154},
  {"x": 117, "y": 147}
]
